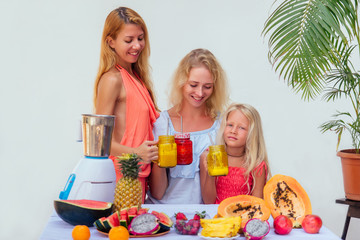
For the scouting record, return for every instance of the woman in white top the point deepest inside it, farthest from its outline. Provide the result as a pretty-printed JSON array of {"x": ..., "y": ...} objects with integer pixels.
[{"x": 198, "y": 94}]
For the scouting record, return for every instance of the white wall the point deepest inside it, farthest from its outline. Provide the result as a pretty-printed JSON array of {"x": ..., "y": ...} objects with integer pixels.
[{"x": 49, "y": 57}]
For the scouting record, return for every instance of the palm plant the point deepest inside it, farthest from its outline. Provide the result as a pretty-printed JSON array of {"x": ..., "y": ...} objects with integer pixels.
[{"x": 311, "y": 45}]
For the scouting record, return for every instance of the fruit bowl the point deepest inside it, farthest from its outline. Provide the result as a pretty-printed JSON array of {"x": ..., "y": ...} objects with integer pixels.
[
  {"x": 189, "y": 223},
  {"x": 218, "y": 238}
]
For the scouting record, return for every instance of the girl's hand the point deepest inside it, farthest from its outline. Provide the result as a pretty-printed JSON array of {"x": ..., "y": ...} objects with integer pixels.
[
  {"x": 203, "y": 159},
  {"x": 148, "y": 151},
  {"x": 207, "y": 182}
]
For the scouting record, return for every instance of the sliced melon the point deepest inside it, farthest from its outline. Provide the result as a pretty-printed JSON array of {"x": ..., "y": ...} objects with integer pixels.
[
  {"x": 82, "y": 212},
  {"x": 112, "y": 221},
  {"x": 164, "y": 220},
  {"x": 132, "y": 212},
  {"x": 99, "y": 224}
]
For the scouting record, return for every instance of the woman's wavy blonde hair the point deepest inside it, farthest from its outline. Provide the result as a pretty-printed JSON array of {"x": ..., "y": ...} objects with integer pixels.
[
  {"x": 255, "y": 149},
  {"x": 197, "y": 58},
  {"x": 114, "y": 23}
]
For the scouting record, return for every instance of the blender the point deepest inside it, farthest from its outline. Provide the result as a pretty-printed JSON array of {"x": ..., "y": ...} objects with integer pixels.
[{"x": 94, "y": 176}]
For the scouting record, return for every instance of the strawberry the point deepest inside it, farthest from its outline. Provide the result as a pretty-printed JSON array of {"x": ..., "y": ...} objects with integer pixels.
[
  {"x": 194, "y": 231},
  {"x": 199, "y": 215},
  {"x": 180, "y": 216},
  {"x": 179, "y": 225},
  {"x": 180, "y": 222},
  {"x": 196, "y": 224},
  {"x": 190, "y": 222}
]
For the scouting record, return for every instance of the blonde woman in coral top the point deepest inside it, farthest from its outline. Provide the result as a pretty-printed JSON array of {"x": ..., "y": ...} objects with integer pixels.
[
  {"x": 123, "y": 88},
  {"x": 241, "y": 133}
]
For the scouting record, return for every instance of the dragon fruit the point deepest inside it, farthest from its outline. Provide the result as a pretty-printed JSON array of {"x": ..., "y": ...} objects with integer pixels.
[
  {"x": 144, "y": 224},
  {"x": 256, "y": 229}
]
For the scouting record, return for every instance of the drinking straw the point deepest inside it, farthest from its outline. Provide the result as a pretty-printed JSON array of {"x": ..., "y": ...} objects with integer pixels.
[
  {"x": 167, "y": 127},
  {"x": 181, "y": 124},
  {"x": 211, "y": 140}
]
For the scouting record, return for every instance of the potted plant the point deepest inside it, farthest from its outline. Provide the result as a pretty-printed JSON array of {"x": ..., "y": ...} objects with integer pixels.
[{"x": 311, "y": 45}]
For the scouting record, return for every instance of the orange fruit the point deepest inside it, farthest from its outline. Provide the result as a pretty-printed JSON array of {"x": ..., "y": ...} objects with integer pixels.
[
  {"x": 81, "y": 232},
  {"x": 119, "y": 233}
]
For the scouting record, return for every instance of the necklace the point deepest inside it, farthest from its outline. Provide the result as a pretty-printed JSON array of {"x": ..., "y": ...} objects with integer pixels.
[{"x": 237, "y": 155}]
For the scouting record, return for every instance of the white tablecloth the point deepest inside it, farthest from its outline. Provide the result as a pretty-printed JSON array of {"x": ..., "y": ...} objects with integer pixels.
[{"x": 56, "y": 228}]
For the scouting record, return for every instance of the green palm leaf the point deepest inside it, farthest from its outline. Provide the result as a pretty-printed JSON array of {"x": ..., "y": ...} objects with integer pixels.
[{"x": 306, "y": 40}]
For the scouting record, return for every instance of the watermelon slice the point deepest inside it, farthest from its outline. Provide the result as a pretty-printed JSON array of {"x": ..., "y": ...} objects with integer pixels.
[
  {"x": 99, "y": 224},
  {"x": 132, "y": 212},
  {"x": 155, "y": 213},
  {"x": 142, "y": 211},
  {"x": 112, "y": 221},
  {"x": 124, "y": 221},
  {"x": 82, "y": 212},
  {"x": 124, "y": 213},
  {"x": 165, "y": 221},
  {"x": 86, "y": 203}
]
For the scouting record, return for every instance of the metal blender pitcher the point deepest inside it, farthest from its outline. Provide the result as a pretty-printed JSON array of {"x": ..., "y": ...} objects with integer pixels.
[
  {"x": 94, "y": 176},
  {"x": 97, "y": 134}
]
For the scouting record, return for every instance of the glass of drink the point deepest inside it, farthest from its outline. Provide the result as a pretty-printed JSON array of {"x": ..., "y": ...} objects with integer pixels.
[
  {"x": 184, "y": 149},
  {"x": 217, "y": 161},
  {"x": 167, "y": 151}
]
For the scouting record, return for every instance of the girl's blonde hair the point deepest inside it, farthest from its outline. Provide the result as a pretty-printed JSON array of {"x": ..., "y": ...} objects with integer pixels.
[
  {"x": 197, "y": 58},
  {"x": 255, "y": 149},
  {"x": 114, "y": 23}
]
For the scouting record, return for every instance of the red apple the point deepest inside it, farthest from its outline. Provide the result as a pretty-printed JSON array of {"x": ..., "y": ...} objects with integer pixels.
[
  {"x": 311, "y": 223},
  {"x": 282, "y": 225}
]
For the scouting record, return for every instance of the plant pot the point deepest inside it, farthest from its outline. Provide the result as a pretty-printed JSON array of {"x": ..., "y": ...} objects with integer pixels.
[{"x": 350, "y": 162}]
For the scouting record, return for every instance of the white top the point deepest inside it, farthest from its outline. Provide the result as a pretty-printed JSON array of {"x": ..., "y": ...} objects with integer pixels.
[{"x": 184, "y": 180}]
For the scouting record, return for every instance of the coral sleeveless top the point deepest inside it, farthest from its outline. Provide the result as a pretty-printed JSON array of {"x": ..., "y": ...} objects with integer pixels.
[
  {"x": 140, "y": 117},
  {"x": 235, "y": 182}
]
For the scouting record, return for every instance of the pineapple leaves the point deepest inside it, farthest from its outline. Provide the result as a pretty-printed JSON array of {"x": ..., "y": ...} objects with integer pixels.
[
  {"x": 129, "y": 165},
  {"x": 307, "y": 38}
]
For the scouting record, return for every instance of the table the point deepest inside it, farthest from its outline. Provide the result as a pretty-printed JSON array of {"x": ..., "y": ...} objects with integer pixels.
[
  {"x": 57, "y": 229},
  {"x": 353, "y": 211}
]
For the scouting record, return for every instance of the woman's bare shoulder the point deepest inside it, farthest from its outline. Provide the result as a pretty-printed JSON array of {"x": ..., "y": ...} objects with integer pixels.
[{"x": 111, "y": 78}]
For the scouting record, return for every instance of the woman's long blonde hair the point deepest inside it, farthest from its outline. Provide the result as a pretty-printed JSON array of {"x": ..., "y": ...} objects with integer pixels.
[
  {"x": 255, "y": 149},
  {"x": 114, "y": 23},
  {"x": 197, "y": 58}
]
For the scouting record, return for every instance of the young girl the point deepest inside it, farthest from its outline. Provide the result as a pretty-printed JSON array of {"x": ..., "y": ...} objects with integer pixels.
[
  {"x": 198, "y": 95},
  {"x": 123, "y": 88},
  {"x": 241, "y": 133}
]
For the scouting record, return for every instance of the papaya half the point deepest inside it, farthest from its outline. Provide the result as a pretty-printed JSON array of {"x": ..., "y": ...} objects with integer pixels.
[
  {"x": 285, "y": 196},
  {"x": 246, "y": 206}
]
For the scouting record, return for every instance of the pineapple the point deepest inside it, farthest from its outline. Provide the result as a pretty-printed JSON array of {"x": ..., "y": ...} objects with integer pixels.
[{"x": 128, "y": 191}]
